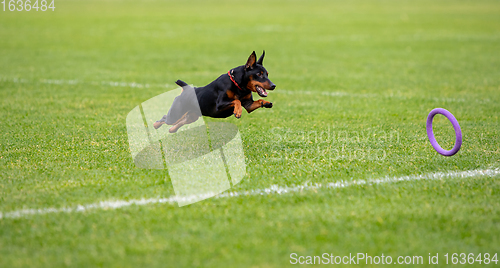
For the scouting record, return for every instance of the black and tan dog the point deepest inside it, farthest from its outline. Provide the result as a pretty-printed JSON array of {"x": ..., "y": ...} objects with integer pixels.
[{"x": 226, "y": 95}]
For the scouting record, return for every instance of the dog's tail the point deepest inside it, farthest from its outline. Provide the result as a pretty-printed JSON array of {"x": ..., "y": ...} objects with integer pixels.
[{"x": 181, "y": 83}]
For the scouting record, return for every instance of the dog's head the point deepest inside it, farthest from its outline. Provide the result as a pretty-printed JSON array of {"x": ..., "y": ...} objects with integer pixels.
[{"x": 257, "y": 75}]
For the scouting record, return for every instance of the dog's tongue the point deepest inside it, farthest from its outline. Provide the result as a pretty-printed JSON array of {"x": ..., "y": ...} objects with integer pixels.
[{"x": 262, "y": 92}]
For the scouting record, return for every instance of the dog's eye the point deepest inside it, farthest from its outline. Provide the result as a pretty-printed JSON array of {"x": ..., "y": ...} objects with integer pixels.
[{"x": 259, "y": 75}]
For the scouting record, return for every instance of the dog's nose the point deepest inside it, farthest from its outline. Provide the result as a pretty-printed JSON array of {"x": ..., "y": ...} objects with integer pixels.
[{"x": 273, "y": 86}]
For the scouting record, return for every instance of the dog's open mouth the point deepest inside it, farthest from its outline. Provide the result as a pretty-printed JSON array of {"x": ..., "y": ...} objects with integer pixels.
[{"x": 261, "y": 91}]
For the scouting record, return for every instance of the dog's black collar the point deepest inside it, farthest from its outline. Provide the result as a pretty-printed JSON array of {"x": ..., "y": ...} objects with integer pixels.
[{"x": 231, "y": 76}]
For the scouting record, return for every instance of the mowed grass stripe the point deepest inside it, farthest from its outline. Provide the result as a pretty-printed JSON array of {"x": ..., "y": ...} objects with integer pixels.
[
  {"x": 273, "y": 190},
  {"x": 356, "y": 80}
]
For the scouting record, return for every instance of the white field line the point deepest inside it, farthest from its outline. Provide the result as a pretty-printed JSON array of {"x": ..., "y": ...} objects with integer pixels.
[
  {"x": 369, "y": 95},
  {"x": 94, "y": 83},
  {"x": 273, "y": 190},
  {"x": 324, "y": 93},
  {"x": 281, "y": 91}
]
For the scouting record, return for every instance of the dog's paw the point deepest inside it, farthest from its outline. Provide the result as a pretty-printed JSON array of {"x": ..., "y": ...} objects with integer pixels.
[
  {"x": 237, "y": 111},
  {"x": 172, "y": 129},
  {"x": 268, "y": 105},
  {"x": 158, "y": 124}
]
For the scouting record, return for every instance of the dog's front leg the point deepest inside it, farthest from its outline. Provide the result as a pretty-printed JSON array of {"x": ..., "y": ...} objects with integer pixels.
[
  {"x": 258, "y": 104},
  {"x": 225, "y": 104},
  {"x": 237, "y": 108},
  {"x": 235, "y": 104}
]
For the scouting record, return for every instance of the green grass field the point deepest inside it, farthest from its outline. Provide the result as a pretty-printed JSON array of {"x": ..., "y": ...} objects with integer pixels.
[{"x": 355, "y": 82}]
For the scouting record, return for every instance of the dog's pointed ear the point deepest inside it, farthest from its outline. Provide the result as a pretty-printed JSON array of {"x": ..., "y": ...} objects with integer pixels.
[
  {"x": 261, "y": 59},
  {"x": 251, "y": 61}
]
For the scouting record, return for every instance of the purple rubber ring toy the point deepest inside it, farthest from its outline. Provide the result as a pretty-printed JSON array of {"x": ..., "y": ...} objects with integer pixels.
[{"x": 456, "y": 126}]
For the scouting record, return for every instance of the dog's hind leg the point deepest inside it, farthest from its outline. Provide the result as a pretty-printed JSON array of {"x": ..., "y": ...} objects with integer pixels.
[
  {"x": 187, "y": 118},
  {"x": 160, "y": 122}
]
